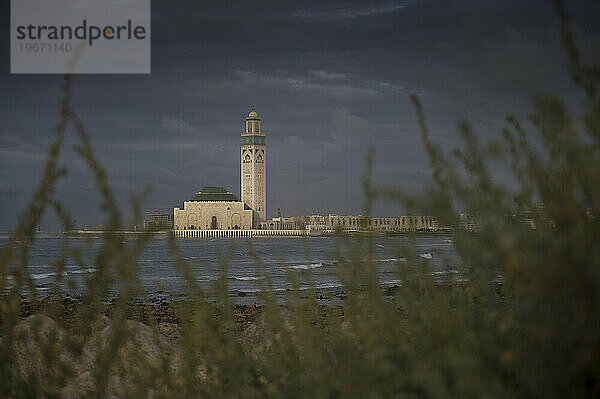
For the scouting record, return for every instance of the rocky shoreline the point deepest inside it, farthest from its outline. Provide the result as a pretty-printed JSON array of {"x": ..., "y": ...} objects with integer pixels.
[
  {"x": 159, "y": 309},
  {"x": 155, "y": 311}
]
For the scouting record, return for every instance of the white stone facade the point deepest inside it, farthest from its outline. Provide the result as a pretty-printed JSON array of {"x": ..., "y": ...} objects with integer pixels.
[{"x": 212, "y": 215}]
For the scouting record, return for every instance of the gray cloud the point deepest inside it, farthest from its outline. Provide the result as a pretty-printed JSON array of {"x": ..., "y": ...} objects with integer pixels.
[
  {"x": 329, "y": 79},
  {"x": 345, "y": 11}
]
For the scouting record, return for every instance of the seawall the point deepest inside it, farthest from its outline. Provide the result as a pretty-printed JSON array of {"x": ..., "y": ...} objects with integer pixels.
[{"x": 238, "y": 233}]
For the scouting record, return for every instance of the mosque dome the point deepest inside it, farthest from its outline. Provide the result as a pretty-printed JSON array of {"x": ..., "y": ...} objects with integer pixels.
[{"x": 252, "y": 114}]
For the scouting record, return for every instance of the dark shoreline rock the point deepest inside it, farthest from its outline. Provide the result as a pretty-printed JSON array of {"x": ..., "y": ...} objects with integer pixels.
[{"x": 152, "y": 311}]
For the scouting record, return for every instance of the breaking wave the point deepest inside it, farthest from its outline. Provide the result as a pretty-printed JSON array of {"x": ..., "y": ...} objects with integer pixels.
[
  {"x": 392, "y": 260},
  {"x": 245, "y": 278},
  {"x": 83, "y": 271},
  {"x": 444, "y": 272},
  {"x": 307, "y": 267},
  {"x": 42, "y": 276},
  {"x": 328, "y": 286}
]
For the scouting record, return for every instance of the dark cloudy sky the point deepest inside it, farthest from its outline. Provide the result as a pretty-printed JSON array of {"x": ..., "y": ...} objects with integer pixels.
[{"x": 329, "y": 78}]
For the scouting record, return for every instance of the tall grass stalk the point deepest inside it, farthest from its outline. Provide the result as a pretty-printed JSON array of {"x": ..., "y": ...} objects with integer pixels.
[{"x": 522, "y": 319}]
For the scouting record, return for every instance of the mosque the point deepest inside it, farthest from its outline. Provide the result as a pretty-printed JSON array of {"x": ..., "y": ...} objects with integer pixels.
[
  {"x": 216, "y": 212},
  {"x": 215, "y": 208}
]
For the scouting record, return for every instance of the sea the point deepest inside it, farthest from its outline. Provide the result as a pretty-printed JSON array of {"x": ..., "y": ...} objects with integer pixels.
[{"x": 246, "y": 265}]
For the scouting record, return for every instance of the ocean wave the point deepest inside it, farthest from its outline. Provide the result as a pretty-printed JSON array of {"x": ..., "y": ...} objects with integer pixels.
[
  {"x": 74, "y": 266},
  {"x": 307, "y": 267},
  {"x": 42, "y": 276},
  {"x": 328, "y": 286},
  {"x": 205, "y": 279},
  {"x": 426, "y": 255},
  {"x": 48, "y": 266},
  {"x": 245, "y": 278},
  {"x": 83, "y": 271},
  {"x": 392, "y": 260},
  {"x": 443, "y": 272},
  {"x": 391, "y": 282}
]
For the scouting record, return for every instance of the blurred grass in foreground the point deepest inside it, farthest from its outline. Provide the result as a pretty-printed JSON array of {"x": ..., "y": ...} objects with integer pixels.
[{"x": 537, "y": 334}]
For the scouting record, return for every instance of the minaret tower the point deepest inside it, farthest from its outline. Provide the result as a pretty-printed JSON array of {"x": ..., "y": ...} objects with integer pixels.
[{"x": 254, "y": 167}]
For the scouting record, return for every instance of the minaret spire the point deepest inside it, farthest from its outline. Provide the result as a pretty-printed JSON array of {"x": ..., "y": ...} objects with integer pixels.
[{"x": 254, "y": 167}]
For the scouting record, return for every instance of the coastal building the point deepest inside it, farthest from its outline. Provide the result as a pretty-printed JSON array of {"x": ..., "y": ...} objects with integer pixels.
[
  {"x": 159, "y": 219},
  {"x": 350, "y": 223},
  {"x": 282, "y": 223},
  {"x": 254, "y": 167},
  {"x": 213, "y": 208}
]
